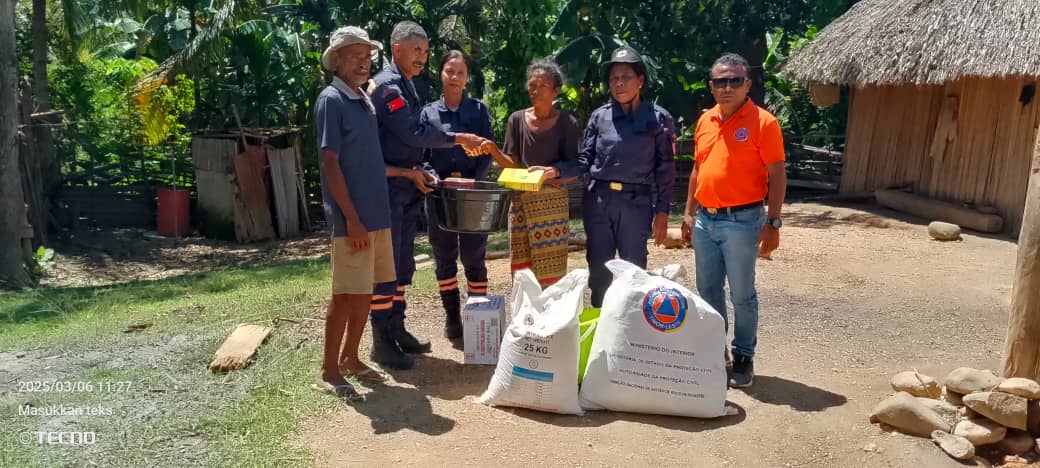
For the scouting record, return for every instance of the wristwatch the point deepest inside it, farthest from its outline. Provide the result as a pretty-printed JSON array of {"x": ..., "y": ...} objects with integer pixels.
[{"x": 775, "y": 223}]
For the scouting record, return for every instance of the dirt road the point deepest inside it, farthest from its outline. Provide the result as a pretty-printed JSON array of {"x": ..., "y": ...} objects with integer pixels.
[{"x": 851, "y": 298}]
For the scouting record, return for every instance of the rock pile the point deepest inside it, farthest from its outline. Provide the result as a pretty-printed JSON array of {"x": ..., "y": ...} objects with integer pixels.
[{"x": 972, "y": 408}]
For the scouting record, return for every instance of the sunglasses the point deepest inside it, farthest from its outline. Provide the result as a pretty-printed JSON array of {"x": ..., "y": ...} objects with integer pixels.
[{"x": 731, "y": 82}]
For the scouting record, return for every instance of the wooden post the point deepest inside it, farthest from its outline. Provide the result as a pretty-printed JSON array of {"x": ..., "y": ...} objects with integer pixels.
[
  {"x": 1022, "y": 349},
  {"x": 14, "y": 271},
  {"x": 32, "y": 178}
]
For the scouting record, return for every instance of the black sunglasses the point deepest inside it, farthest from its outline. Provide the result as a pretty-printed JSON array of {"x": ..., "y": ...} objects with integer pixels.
[{"x": 731, "y": 82}]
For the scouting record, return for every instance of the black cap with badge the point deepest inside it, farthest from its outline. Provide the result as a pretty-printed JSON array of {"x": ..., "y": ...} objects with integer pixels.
[{"x": 625, "y": 54}]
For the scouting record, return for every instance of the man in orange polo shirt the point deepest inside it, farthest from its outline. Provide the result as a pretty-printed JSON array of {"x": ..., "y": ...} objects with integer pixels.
[{"x": 739, "y": 163}]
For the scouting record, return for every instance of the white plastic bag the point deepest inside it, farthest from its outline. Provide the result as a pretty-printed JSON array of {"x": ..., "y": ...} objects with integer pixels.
[
  {"x": 658, "y": 349},
  {"x": 538, "y": 360}
]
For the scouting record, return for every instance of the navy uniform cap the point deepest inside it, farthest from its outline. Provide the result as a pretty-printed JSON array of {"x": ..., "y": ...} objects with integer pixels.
[{"x": 624, "y": 54}]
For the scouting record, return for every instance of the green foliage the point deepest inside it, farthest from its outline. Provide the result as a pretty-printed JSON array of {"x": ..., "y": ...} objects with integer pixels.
[
  {"x": 23, "y": 36},
  {"x": 44, "y": 255},
  {"x": 42, "y": 260},
  {"x": 266, "y": 73},
  {"x": 516, "y": 33},
  {"x": 679, "y": 41},
  {"x": 113, "y": 130},
  {"x": 790, "y": 101},
  {"x": 132, "y": 75}
]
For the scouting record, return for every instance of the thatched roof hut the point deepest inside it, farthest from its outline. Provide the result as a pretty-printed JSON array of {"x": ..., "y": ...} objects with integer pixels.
[{"x": 943, "y": 96}]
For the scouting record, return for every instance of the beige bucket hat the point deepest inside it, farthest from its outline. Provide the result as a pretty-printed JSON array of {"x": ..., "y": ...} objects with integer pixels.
[{"x": 342, "y": 37}]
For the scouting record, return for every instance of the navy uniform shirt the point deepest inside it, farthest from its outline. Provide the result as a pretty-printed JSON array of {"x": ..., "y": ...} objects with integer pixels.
[
  {"x": 637, "y": 149},
  {"x": 398, "y": 107},
  {"x": 345, "y": 123},
  {"x": 472, "y": 116}
]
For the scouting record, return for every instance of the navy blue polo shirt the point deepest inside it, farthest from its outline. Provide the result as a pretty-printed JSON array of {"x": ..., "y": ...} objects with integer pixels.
[
  {"x": 637, "y": 148},
  {"x": 402, "y": 136},
  {"x": 345, "y": 122},
  {"x": 472, "y": 116}
]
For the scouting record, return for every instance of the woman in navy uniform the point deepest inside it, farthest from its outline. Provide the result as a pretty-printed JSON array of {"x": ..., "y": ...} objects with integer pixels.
[
  {"x": 628, "y": 149},
  {"x": 455, "y": 112}
]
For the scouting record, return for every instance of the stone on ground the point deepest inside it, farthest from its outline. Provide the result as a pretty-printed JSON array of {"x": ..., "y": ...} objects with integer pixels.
[
  {"x": 1017, "y": 442},
  {"x": 965, "y": 380},
  {"x": 908, "y": 415},
  {"x": 944, "y": 231},
  {"x": 980, "y": 431},
  {"x": 946, "y": 410},
  {"x": 916, "y": 384},
  {"x": 1025, "y": 388},
  {"x": 1004, "y": 408},
  {"x": 954, "y": 445}
]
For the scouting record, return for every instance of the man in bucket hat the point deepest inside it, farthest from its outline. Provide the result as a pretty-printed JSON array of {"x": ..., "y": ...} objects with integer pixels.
[{"x": 356, "y": 203}]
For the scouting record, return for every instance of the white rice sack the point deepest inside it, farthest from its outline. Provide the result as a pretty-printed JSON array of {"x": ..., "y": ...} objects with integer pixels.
[
  {"x": 538, "y": 359},
  {"x": 658, "y": 349}
]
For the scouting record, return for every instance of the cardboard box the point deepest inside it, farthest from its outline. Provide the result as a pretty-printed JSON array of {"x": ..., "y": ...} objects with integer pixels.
[
  {"x": 521, "y": 179},
  {"x": 483, "y": 321},
  {"x": 458, "y": 183}
]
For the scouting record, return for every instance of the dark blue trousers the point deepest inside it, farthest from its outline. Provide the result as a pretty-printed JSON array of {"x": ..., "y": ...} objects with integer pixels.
[
  {"x": 388, "y": 298},
  {"x": 617, "y": 223},
  {"x": 448, "y": 247}
]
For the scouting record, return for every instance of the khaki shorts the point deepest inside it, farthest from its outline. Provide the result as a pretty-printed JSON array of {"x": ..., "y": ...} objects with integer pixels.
[{"x": 356, "y": 271}]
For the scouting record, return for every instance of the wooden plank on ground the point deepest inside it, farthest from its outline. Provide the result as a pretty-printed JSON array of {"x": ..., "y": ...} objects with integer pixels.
[
  {"x": 935, "y": 210},
  {"x": 239, "y": 347},
  {"x": 812, "y": 184}
]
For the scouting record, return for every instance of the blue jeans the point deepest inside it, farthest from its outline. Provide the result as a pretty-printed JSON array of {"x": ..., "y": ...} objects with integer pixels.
[{"x": 726, "y": 248}]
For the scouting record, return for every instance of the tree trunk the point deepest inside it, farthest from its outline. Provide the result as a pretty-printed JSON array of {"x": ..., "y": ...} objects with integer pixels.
[
  {"x": 42, "y": 95},
  {"x": 32, "y": 178},
  {"x": 13, "y": 264},
  {"x": 1022, "y": 348},
  {"x": 755, "y": 53}
]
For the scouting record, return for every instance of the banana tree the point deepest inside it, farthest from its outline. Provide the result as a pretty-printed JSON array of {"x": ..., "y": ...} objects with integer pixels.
[{"x": 265, "y": 73}]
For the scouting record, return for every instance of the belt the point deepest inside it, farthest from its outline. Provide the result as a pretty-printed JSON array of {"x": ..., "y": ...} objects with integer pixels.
[
  {"x": 620, "y": 186},
  {"x": 732, "y": 209}
]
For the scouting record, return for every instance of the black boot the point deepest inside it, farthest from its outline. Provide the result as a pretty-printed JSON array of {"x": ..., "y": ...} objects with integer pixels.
[
  {"x": 743, "y": 371},
  {"x": 385, "y": 351},
  {"x": 453, "y": 314},
  {"x": 405, "y": 340}
]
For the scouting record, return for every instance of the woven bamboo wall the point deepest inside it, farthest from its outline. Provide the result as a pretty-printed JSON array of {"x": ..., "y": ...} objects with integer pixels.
[{"x": 970, "y": 141}]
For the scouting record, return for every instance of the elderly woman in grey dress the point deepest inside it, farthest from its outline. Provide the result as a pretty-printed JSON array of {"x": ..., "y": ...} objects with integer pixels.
[{"x": 537, "y": 138}]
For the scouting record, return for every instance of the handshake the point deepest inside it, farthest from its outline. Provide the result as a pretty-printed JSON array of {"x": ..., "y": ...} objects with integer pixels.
[{"x": 475, "y": 145}]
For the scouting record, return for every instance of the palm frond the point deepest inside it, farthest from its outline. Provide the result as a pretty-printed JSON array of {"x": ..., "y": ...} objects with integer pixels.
[
  {"x": 208, "y": 43},
  {"x": 75, "y": 23}
]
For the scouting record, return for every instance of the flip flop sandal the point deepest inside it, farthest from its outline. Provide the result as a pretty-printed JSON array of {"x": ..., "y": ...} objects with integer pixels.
[
  {"x": 367, "y": 375},
  {"x": 346, "y": 390}
]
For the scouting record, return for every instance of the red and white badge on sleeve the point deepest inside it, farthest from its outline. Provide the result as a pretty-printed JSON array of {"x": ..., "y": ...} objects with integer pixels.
[{"x": 396, "y": 104}]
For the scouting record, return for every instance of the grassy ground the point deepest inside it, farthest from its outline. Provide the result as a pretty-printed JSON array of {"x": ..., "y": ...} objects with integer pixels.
[{"x": 175, "y": 412}]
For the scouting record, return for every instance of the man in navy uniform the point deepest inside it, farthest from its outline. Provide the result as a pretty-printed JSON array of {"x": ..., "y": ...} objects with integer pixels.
[{"x": 404, "y": 139}]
